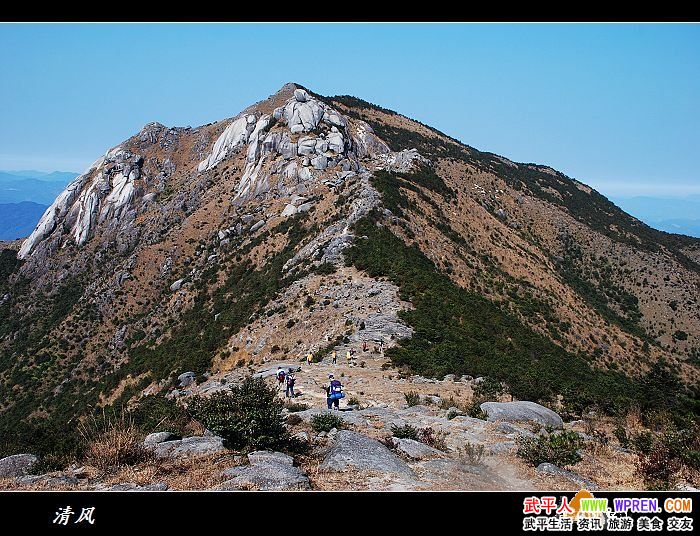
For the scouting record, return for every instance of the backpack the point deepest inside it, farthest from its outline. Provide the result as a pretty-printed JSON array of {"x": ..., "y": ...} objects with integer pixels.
[
  {"x": 336, "y": 390},
  {"x": 290, "y": 380},
  {"x": 280, "y": 376}
]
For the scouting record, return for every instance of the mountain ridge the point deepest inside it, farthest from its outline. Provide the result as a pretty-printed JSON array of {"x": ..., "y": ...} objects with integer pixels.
[{"x": 203, "y": 248}]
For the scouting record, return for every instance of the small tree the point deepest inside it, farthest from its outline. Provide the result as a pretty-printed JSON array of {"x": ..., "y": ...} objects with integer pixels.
[{"x": 247, "y": 416}]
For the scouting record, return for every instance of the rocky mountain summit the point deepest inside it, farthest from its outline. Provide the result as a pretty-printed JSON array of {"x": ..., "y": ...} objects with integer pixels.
[{"x": 187, "y": 259}]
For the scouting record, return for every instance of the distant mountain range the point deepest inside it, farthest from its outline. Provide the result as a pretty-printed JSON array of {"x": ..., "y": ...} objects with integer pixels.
[
  {"x": 35, "y": 186},
  {"x": 19, "y": 219},
  {"x": 24, "y": 196},
  {"x": 679, "y": 215}
]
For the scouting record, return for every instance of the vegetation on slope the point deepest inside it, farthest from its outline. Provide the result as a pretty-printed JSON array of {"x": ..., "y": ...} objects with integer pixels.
[{"x": 460, "y": 332}]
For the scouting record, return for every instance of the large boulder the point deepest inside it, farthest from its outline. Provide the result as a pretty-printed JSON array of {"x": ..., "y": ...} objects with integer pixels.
[
  {"x": 268, "y": 471},
  {"x": 521, "y": 411},
  {"x": 352, "y": 450},
  {"x": 17, "y": 465}
]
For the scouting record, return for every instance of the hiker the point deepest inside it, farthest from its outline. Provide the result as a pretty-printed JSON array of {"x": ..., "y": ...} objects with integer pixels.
[
  {"x": 334, "y": 392},
  {"x": 280, "y": 378},
  {"x": 289, "y": 391},
  {"x": 335, "y": 357},
  {"x": 364, "y": 346},
  {"x": 309, "y": 358},
  {"x": 348, "y": 356}
]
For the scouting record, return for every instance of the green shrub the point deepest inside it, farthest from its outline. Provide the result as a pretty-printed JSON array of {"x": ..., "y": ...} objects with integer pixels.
[
  {"x": 684, "y": 445},
  {"x": 412, "y": 398},
  {"x": 249, "y": 415},
  {"x": 558, "y": 447},
  {"x": 643, "y": 441},
  {"x": 405, "y": 431},
  {"x": 475, "y": 411},
  {"x": 325, "y": 422},
  {"x": 294, "y": 407},
  {"x": 620, "y": 434},
  {"x": 488, "y": 389}
]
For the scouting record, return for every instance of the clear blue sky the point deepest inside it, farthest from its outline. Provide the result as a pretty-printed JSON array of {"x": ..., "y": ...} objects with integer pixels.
[{"x": 616, "y": 106}]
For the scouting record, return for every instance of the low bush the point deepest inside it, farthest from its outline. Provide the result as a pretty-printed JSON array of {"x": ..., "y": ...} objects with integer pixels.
[
  {"x": 294, "y": 407},
  {"x": 473, "y": 454},
  {"x": 642, "y": 442},
  {"x": 558, "y": 447},
  {"x": 432, "y": 438},
  {"x": 249, "y": 415},
  {"x": 405, "y": 431},
  {"x": 412, "y": 398},
  {"x": 325, "y": 422}
]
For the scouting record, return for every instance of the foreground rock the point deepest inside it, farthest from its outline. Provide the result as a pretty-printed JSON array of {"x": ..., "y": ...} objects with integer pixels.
[
  {"x": 17, "y": 465},
  {"x": 352, "y": 450},
  {"x": 268, "y": 471},
  {"x": 521, "y": 411},
  {"x": 189, "y": 446}
]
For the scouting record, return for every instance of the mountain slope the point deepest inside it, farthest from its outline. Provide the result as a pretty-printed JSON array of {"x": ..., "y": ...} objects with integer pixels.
[{"x": 268, "y": 234}]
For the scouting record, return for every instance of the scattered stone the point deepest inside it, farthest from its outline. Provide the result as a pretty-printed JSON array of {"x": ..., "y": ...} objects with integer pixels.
[
  {"x": 257, "y": 226},
  {"x": 131, "y": 486},
  {"x": 177, "y": 285},
  {"x": 503, "y": 446}
]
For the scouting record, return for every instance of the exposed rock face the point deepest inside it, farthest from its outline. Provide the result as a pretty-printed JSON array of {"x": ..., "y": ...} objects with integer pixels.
[
  {"x": 105, "y": 193},
  {"x": 268, "y": 471},
  {"x": 17, "y": 465},
  {"x": 521, "y": 411},
  {"x": 235, "y": 135},
  {"x": 354, "y": 450}
]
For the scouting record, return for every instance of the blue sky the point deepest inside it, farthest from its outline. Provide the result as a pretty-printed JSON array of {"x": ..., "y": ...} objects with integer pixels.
[{"x": 616, "y": 106}]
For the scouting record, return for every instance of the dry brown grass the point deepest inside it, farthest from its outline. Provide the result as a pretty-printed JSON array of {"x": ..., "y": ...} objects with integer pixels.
[{"x": 112, "y": 441}]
